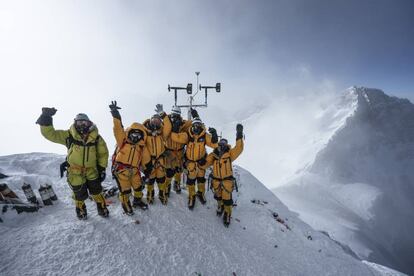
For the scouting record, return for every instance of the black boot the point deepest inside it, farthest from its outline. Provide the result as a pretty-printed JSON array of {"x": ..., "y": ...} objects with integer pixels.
[
  {"x": 191, "y": 202},
  {"x": 138, "y": 203},
  {"x": 201, "y": 197},
  {"x": 102, "y": 210},
  {"x": 177, "y": 187},
  {"x": 226, "y": 219},
  {"x": 163, "y": 198},
  {"x": 81, "y": 212}
]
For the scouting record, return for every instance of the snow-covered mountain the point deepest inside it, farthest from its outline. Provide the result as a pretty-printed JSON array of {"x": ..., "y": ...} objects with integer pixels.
[
  {"x": 169, "y": 240},
  {"x": 360, "y": 186}
]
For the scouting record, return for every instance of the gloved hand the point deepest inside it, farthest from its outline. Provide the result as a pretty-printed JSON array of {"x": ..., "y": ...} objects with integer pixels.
[
  {"x": 101, "y": 173},
  {"x": 63, "y": 167},
  {"x": 46, "y": 118},
  {"x": 213, "y": 132},
  {"x": 47, "y": 111},
  {"x": 239, "y": 133},
  {"x": 194, "y": 113},
  {"x": 114, "y": 110},
  {"x": 202, "y": 161},
  {"x": 160, "y": 110}
]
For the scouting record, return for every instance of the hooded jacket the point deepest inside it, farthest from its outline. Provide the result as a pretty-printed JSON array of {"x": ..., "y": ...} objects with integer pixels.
[
  {"x": 128, "y": 153},
  {"x": 222, "y": 165},
  {"x": 88, "y": 153},
  {"x": 155, "y": 140}
]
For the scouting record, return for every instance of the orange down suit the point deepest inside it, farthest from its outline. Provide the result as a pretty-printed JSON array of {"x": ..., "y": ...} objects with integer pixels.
[
  {"x": 155, "y": 142},
  {"x": 195, "y": 151},
  {"x": 222, "y": 170},
  {"x": 129, "y": 158},
  {"x": 175, "y": 155}
]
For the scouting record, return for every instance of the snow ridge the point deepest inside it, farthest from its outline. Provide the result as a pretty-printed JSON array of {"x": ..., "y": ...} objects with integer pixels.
[{"x": 170, "y": 240}]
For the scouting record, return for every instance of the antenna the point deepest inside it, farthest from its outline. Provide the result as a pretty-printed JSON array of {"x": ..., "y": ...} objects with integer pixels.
[{"x": 191, "y": 97}]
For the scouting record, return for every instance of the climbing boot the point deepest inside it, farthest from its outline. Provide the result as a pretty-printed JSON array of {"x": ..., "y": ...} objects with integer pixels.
[
  {"x": 163, "y": 197},
  {"x": 125, "y": 203},
  {"x": 226, "y": 219},
  {"x": 201, "y": 197},
  {"x": 81, "y": 212},
  {"x": 191, "y": 202},
  {"x": 102, "y": 210},
  {"x": 150, "y": 197},
  {"x": 138, "y": 203}
]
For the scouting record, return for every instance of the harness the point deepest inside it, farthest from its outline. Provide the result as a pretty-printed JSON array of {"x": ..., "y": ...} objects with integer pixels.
[
  {"x": 221, "y": 180},
  {"x": 117, "y": 166}
]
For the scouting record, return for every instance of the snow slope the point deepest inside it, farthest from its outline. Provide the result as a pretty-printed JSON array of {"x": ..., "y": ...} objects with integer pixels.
[
  {"x": 170, "y": 240},
  {"x": 360, "y": 186}
]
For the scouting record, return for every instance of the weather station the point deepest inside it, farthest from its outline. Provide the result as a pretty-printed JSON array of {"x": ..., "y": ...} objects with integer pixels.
[{"x": 191, "y": 103}]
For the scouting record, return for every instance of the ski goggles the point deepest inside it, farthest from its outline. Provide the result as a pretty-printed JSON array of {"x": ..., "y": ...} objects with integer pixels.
[
  {"x": 155, "y": 123},
  {"x": 83, "y": 123},
  {"x": 223, "y": 142},
  {"x": 175, "y": 117},
  {"x": 135, "y": 135}
]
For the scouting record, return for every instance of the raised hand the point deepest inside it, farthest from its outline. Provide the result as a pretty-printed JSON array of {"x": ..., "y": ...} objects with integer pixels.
[
  {"x": 159, "y": 109},
  {"x": 46, "y": 118},
  {"x": 214, "y": 136},
  {"x": 49, "y": 111},
  {"x": 239, "y": 133},
  {"x": 194, "y": 113},
  {"x": 113, "y": 106},
  {"x": 115, "y": 110}
]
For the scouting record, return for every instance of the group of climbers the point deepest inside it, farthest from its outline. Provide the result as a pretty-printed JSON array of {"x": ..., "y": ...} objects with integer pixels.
[{"x": 158, "y": 150}]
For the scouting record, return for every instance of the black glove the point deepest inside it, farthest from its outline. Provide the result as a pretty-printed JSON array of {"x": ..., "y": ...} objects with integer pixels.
[
  {"x": 114, "y": 110},
  {"x": 101, "y": 173},
  {"x": 202, "y": 161},
  {"x": 194, "y": 113},
  {"x": 47, "y": 111},
  {"x": 214, "y": 137},
  {"x": 46, "y": 118},
  {"x": 239, "y": 133},
  {"x": 63, "y": 167}
]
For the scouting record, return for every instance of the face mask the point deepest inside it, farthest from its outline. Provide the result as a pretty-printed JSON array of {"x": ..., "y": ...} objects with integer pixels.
[
  {"x": 83, "y": 127},
  {"x": 155, "y": 124},
  {"x": 134, "y": 136},
  {"x": 176, "y": 118},
  {"x": 197, "y": 129},
  {"x": 222, "y": 146}
]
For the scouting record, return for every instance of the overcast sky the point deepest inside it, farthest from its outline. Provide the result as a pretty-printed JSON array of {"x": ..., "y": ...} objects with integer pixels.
[{"x": 79, "y": 55}]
